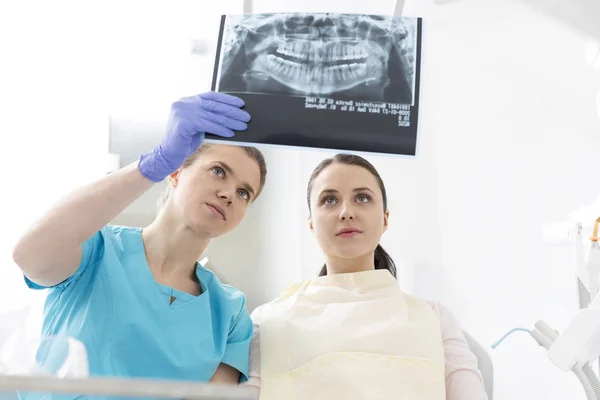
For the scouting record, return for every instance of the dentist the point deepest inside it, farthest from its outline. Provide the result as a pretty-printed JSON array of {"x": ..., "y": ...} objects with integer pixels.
[{"x": 137, "y": 298}]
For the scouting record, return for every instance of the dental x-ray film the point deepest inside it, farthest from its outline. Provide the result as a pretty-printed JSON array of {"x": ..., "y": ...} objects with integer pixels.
[{"x": 345, "y": 82}]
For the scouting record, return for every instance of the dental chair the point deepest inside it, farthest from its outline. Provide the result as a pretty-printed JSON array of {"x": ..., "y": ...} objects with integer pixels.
[{"x": 484, "y": 362}]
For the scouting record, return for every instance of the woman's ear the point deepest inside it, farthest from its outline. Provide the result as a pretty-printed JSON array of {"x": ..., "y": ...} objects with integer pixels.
[
  {"x": 310, "y": 224},
  {"x": 386, "y": 216}
]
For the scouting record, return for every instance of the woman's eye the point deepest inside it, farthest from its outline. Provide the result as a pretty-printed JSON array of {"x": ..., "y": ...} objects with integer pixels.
[
  {"x": 363, "y": 198},
  {"x": 329, "y": 200},
  {"x": 218, "y": 171},
  {"x": 244, "y": 194}
]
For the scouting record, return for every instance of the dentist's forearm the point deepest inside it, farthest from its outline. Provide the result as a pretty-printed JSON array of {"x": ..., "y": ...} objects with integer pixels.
[{"x": 50, "y": 251}]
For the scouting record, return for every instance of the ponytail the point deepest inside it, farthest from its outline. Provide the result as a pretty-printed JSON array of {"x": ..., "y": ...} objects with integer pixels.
[{"x": 382, "y": 261}]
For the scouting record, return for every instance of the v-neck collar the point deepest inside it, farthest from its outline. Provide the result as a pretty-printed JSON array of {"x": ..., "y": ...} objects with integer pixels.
[{"x": 165, "y": 292}]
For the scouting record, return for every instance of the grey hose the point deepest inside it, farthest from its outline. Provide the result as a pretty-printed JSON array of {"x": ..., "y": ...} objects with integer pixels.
[
  {"x": 587, "y": 386},
  {"x": 592, "y": 379}
]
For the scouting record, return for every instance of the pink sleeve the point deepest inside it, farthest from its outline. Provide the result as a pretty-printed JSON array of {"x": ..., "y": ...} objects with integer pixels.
[
  {"x": 464, "y": 380},
  {"x": 254, "y": 368}
]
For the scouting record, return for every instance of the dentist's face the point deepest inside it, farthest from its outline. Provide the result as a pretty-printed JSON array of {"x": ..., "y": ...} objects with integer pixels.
[
  {"x": 212, "y": 195},
  {"x": 347, "y": 212}
]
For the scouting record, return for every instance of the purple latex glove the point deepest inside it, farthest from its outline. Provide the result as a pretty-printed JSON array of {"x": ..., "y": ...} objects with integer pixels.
[{"x": 192, "y": 117}]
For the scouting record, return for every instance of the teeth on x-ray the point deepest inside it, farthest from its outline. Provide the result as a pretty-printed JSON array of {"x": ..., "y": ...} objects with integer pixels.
[
  {"x": 318, "y": 54},
  {"x": 305, "y": 67}
]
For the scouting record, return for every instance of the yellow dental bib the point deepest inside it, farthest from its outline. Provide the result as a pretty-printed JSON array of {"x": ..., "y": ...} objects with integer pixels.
[{"x": 352, "y": 336}]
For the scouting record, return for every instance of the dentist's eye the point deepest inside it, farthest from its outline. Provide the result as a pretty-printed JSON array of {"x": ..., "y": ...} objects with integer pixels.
[
  {"x": 218, "y": 171},
  {"x": 244, "y": 194}
]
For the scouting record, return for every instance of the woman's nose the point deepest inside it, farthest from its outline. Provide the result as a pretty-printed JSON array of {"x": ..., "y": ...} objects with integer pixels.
[
  {"x": 226, "y": 194},
  {"x": 346, "y": 214}
]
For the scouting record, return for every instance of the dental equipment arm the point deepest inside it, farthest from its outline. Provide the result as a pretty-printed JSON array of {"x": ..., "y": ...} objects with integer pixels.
[{"x": 575, "y": 349}]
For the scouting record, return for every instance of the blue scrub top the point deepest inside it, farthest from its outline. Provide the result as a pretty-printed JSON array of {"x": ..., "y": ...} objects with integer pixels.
[{"x": 124, "y": 317}]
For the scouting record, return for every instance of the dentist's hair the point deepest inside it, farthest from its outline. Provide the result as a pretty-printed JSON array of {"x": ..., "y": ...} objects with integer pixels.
[
  {"x": 382, "y": 258},
  {"x": 252, "y": 152}
]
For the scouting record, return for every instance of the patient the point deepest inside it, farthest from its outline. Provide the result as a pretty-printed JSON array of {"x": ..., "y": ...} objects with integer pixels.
[{"x": 351, "y": 333}]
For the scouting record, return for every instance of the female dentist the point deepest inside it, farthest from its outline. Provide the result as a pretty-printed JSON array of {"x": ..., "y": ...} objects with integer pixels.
[
  {"x": 137, "y": 298},
  {"x": 351, "y": 333}
]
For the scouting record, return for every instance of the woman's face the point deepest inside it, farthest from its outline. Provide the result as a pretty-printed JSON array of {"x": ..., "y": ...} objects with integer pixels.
[
  {"x": 214, "y": 192},
  {"x": 347, "y": 214}
]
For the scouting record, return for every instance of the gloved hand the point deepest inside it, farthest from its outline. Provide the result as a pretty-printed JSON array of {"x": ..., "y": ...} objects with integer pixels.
[{"x": 192, "y": 117}]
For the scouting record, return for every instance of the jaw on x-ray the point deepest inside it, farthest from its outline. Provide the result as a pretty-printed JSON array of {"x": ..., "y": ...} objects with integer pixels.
[{"x": 342, "y": 55}]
